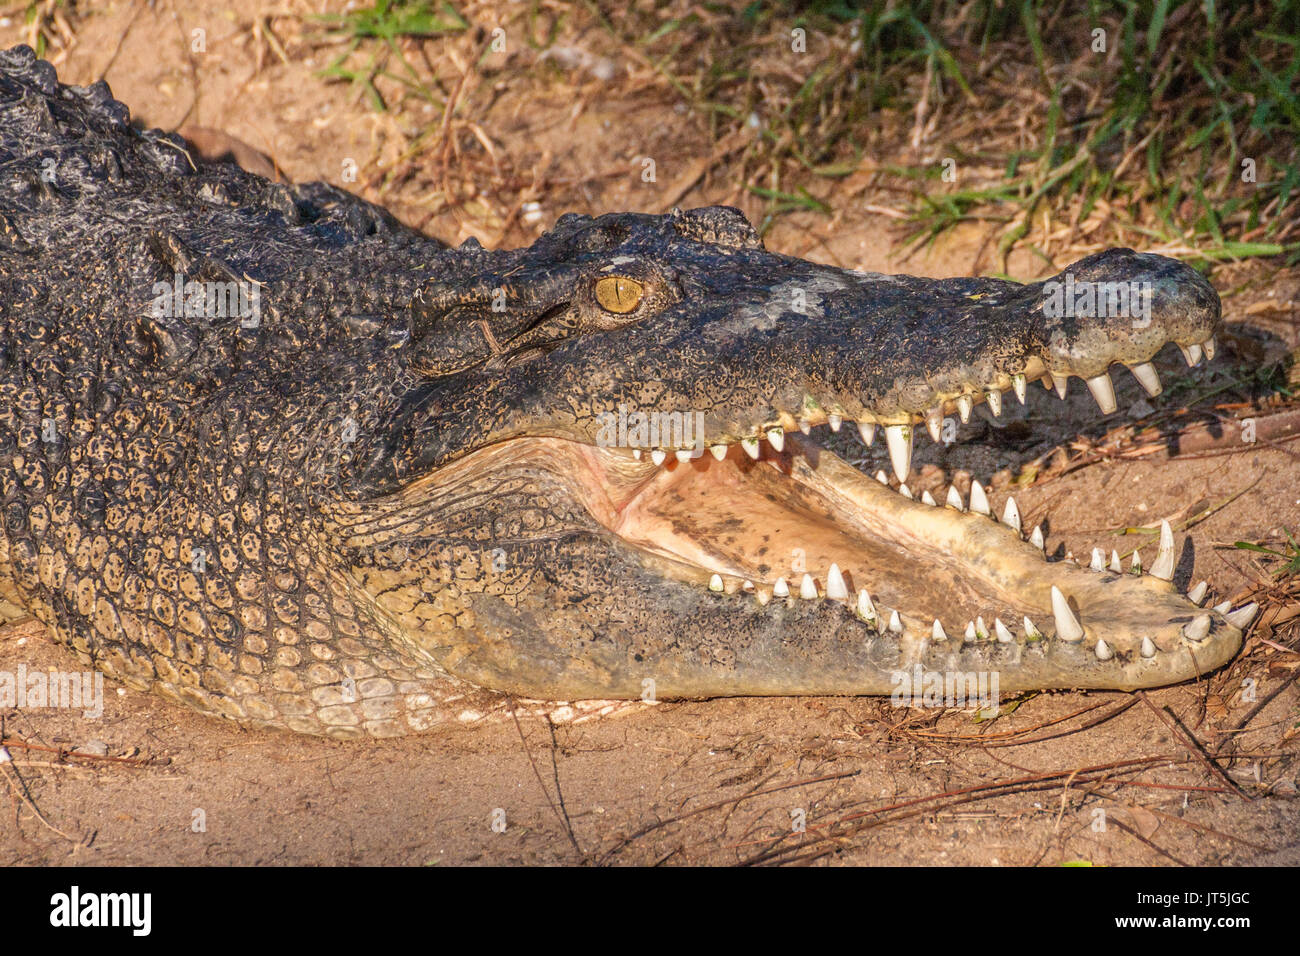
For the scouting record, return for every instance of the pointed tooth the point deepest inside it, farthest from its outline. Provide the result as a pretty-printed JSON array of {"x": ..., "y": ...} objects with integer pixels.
[
  {"x": 882, "y": 477},
  {"x": 964, "y": 406},
  {"x": 866, "y": 610},
  {"x": 937, "y": 633},
  {"x": 684, "y": 454},
  {"x": 718, "y": 451},
  {"x": 994, "y": 400},
  {"x": 751, "y": 447},
  {"x": 780, "y": 589},
  {"x": 905, "y": 491},
  {"x": 836, "y": 589},
  {"x": 928, "y": 499},
  {"x": 1148, "y": 647},
  {"x": 1148, "y": 378},
  {"x": 1002, "y": 631},
  {"x": 1103, "y": 392},
  {"x": 1032, "y": 633},
  {"x": 1067, "y": 625},
  {"x": 1197, "y": 594},
  {"x": 1115, "y": 566},
  {"x": 979, "y": 501},
  {"x": 969, "y": 635},
  {"x": 934, "y": 423},
  {"x": 895, "y": 622},
  {"x": 764, "y": 596},
  {"x": 954, "y": 499},
  {"x": 1241, "y": 618},
  {"x": 658, "y": 456},
  {"x": 747, "y": 586},
  {"x": 981, "y": 629},
  {"x": 1061, "y": 383},
  {"x": 1224, "y": 607},
  {"x": 835, "y": 421},
  {"x": 1011, "y": 515},
  {"x": 1036, "y": 538},
  {"x": 1192, "y": 354},
  {"x": 1164, "y": 563},
  {"x": 1018, "y": 385},
  {"x": 1135, "y": 565},
  {"x": 1103, "y": 651},
  {"x": 636, "y": 453},
  {"x": 1098, "y": 560},
  {"x": 1198, "y": 628},
  {"x": 776, "y": 438},
  {"x": 867, "y": 430},
  {"x": 1210, "y": 347},
  {"x": 899, "y": 438},
  {"x": 715, "y": 583},
  {"x": 808, "y": 588},
  {"x": 805, "y": 426}
]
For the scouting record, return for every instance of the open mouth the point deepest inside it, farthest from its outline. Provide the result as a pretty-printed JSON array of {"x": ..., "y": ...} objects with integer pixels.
[{"x": 781, "y": 520}]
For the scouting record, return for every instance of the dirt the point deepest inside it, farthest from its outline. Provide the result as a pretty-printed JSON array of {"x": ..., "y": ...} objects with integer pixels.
[{"x": 852, "y": 781}]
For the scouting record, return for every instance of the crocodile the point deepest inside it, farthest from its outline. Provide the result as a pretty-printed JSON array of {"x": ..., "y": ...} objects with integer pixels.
[{"x": 269, "y": 453}]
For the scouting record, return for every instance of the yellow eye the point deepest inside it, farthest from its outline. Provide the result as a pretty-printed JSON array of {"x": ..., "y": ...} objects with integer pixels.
[{"x": 618, "y": 294}]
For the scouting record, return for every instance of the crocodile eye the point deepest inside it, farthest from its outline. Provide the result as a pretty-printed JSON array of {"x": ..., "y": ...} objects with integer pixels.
[{"x": 618, "y": 294}]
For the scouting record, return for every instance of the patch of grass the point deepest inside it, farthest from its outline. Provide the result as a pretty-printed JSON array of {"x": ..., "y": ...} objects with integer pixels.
[{"x": 1290, "y": 556}]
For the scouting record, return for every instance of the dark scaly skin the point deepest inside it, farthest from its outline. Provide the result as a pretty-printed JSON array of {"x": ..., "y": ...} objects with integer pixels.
[{"x": 277, "y": 523}]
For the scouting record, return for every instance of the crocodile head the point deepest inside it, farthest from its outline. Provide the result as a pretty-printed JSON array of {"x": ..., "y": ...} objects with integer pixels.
[{"x": 601, "y": 473}]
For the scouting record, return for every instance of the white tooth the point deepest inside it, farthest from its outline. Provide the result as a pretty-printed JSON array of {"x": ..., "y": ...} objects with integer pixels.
[
  {"x": 937, "y": 633},
  {"x": 1018, "y": 383},
  {"x": 1067, "y": 625},
  {"x": 1210, "y": 347},
  {"x": 1135, "y": 564},
  {"x": 970, "y": 631},
  {"x": 751, "y": 447},
  {"x": 994, "y": 399},
  {"x": 1197, "y": 594},
  {"x": 895, "y": 623},
  {"x": 1002, "y": 631},
  {"x": 776, "y": 438},
  {"x": 1164, "y": 564},
  {"x": 1148, "y": 378},
  {"x": 1061, "y": 383},
  {"x": 836, "y": 589},
  {"x": 1103, "y": 391},
  {"x": 1241, "y": 618},
  {"x": 979, "y": 501},
  {"x": 928, "y": 499},
  {"x": 868, "y": 432},
  {"x": 954, "y": 498},
  {"x": 899, "y": 438},
  {"x": 658, "y": 456},
  {"x": 882, "y": 477},
  {"x": 808, "y": 588},
  {"x": 718, "y": 451},
  {"x": 866, "y": 610},
  {"x": 981, "y": 629},
  {"x": 1032, "y": 633},
  {"x": 804, "y": 426},
  {"x": 636, "y": 453},
  {"x": 1011, "y": 515},
  {"x": 763, "y": 596},
  {"x": 1192, "y": 354},
  {"x": 747, "y": 586},
  {"x": 684, "y": 454},
  {"x": 1223, "y": 608},
  {"x": 715, "y": 583},
  {"x": 1198, "y": 629},
  {"x": 1103, "y": 651},
  {"x": 835, "y": 421},
  {"x": 905, "y": 491},
  {"x": 1098, "y": 560},
  {"x": 964, "y": 406},
  {"x": 934, "y": 423},
  {"x": 1115, "y": 566},
  {"x": 1148, "y": 647},
  {"x": 1036, "y": 538},
  {"x": 781, "y": 589}
]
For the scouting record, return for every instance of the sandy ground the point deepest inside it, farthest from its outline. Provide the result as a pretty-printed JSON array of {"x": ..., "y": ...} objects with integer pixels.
[{"x": 704, "y": 782}]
